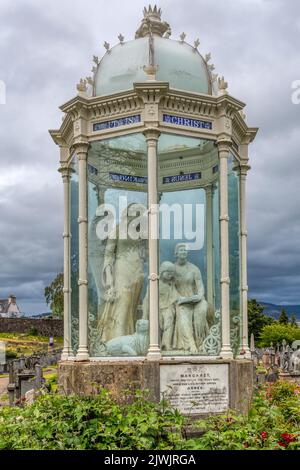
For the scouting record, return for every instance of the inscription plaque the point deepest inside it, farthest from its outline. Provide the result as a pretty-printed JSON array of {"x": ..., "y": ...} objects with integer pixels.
[{"x": 196, "y": 388}]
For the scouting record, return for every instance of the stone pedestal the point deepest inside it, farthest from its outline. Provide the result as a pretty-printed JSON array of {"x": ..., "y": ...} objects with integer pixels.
[{"x": 195, "y": 386}]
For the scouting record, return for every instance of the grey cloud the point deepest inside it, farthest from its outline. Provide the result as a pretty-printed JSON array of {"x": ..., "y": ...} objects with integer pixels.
[{"x": 45, "y": 47}]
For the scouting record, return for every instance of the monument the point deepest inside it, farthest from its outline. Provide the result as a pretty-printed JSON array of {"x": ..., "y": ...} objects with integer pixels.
[{"x": 154, "y": 159}]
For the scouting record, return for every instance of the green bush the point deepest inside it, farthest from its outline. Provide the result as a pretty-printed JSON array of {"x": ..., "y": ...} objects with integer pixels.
[
  {"x": 276, "y": 332},
  {"x": 11, "y": 354},
  {"x": 70, "y": 422},
  {"x": 33, "y": 331},
  {"x": 56, "y": 422}
]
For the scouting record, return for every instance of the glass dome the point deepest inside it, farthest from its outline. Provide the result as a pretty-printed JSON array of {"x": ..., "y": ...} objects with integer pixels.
[{"x": 178, "y": 63}]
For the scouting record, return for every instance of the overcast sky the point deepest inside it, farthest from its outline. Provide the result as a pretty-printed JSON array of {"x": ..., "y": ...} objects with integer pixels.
[{"x": 46, "y": 46}]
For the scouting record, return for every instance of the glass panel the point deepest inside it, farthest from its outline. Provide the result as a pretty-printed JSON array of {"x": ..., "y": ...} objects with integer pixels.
[
  {"x": 74, "y": 255},
  {"x": 178, "y": 63},
  {"x": 182, "y": 66},
  {"x": 117, "y": 73},
  {"x": 234, "y": 253},
  {"x": 188, "y": 173},
  {"x": 117, "y": 269}
]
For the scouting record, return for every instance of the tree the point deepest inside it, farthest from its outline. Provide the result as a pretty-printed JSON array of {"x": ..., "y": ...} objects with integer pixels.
[
  {"x": 256, "y": 318},
  {"x": 277, "y": 332},
  {"x": 294, "y": 321},
  {"x": 283, "y": 318},
  {"x": 54, "y": 295}
]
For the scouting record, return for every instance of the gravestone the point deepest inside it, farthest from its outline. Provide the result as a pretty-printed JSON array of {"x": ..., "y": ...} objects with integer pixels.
[{"x": 198, "y": 388}]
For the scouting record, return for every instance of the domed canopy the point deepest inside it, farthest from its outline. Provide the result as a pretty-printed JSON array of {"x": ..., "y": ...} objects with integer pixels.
[{"x": 176, "y": 62}]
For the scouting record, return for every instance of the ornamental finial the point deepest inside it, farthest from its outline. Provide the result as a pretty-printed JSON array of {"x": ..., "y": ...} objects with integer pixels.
[
  {"x": 222, "y": 86},
  {"x": 154, "y": 12},
  {"x": 81, "y": 86},
  {"x": 207, "y": 57},
  {"x": 106, "y": 46},
  {"x": 121, "y": 38},
  {"x": 152, "y": 24},
  {"x": 196, "y": 43}
]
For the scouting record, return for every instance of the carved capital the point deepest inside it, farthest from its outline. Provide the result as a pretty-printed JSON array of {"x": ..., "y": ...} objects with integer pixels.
[
  {"x": 65, "y": 172},
  {"x": 244, "y": 168},
  {"x": 81, "y": 150},
  {"x": 224, "y": 146},
  {"x": 152, "y": 135},
  {"x": 209, "y": 189}
]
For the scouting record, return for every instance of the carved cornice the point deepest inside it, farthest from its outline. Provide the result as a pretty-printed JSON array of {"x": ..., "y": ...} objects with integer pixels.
[
  {"x": 151, "y": 92},
  {"x": 146, "y": 99}
]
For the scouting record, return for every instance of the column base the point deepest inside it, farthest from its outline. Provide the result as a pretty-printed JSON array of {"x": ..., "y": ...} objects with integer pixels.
[
  {"x": 245, "y": 353},
  {"x": 82, "y": 354},
  {"x": 154, "y": 354},
  {"x": 67, "y": 354},
  {"x": 226, "y": 352},
  {"x": 64, "y": 355}
]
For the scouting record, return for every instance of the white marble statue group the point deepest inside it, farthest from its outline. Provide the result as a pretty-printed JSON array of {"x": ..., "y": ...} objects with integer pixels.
[{"x": 183, "y": 309}]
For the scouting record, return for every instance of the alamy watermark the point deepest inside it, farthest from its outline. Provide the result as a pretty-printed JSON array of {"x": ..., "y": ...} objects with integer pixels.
[
  {"x": 2, "y": 92},
  {"x": 296, "y": 92},
  {"x": 131, "y": 221}
]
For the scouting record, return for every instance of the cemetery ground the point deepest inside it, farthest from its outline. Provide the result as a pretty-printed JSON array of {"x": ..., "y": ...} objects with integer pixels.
[
  {"x": 26, "y": 344},
  {"x": 58, "y": 422}
]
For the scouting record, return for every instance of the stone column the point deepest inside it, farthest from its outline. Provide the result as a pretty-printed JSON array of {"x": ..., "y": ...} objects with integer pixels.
[
  {"x": 209, "y": 243},
  {"x": 67, "y": 349},
  {"x": 243, "y": 253},
  {"x": 152, "y": 136},
  {"x": 81, "y": 152},
  {"x": 224, "y": 147}
]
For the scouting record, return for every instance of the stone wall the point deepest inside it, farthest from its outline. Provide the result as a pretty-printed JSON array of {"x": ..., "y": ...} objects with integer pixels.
[{"x": 44, "y": 326}]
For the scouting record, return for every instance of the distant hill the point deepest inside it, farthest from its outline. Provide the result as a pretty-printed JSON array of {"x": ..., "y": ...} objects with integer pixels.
[
  {"x": 274, "y": 311},
  {"x": 37, "y": 315}
]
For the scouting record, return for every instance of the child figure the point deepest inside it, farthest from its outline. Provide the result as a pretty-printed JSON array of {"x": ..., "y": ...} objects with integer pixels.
[{"x": 168, "y": 297}]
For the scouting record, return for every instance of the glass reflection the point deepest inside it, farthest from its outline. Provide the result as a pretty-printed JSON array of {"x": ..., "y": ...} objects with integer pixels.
[
  {"x": 117, "y": 247},
  {"x": 188, "y": 174}
]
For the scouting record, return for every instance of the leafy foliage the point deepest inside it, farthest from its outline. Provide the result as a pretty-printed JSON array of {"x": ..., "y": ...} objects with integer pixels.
[
  {"x": 256, "y": 318},
  {"x": 277, "y": 332},
  {"x": 69, "y": 422},
  {"x": 54, "y": 295},
  {"x": 283, "y": 317},
  {"x": 294, "y": 321}
]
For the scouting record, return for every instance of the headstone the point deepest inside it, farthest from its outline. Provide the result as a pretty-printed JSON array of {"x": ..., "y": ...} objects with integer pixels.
[
  {"x": 252, "y": 343},
  {"x": 266, "y": 359},
  {"x": 196, "y": 388},
  {"x": 29, "y": 396}
]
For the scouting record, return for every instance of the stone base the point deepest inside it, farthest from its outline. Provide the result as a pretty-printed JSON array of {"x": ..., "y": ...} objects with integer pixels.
[
  {"x": 195, "y": 378},
  {"x": 290, "y": 376}
]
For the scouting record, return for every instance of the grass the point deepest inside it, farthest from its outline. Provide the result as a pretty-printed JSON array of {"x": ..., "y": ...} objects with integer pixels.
[
  {"x": 22, "y": 344},
  {"x": 24, "y": 337}
]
